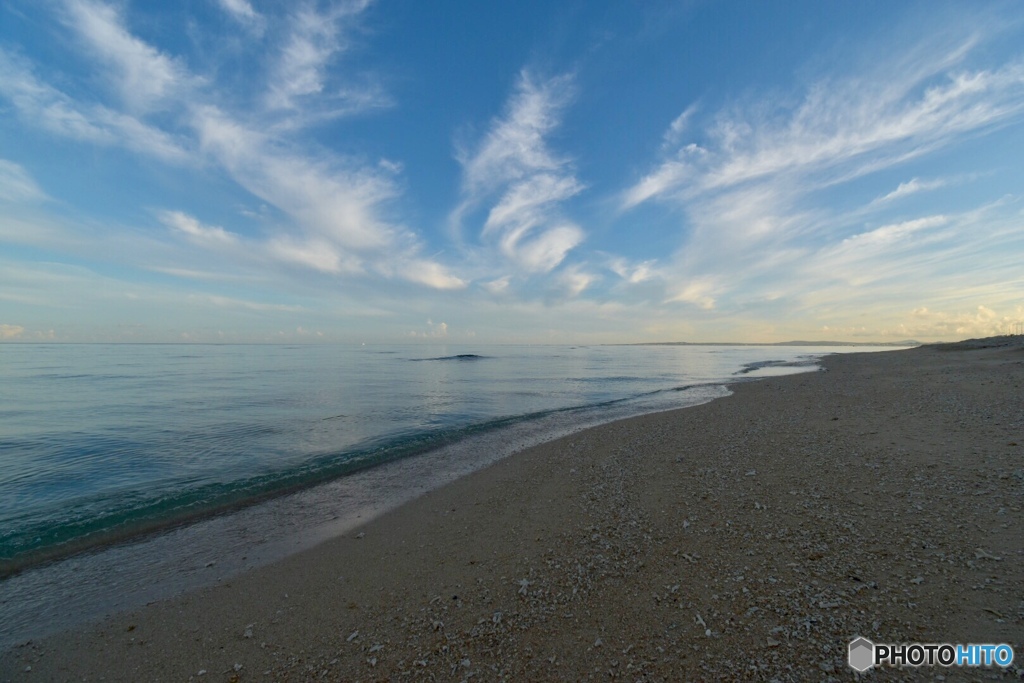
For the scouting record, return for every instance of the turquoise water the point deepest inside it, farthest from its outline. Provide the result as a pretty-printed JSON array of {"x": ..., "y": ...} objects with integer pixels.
[{"x": 100, "y": 441}]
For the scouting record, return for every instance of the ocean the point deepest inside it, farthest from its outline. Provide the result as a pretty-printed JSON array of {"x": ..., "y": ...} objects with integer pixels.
[{"x": 131, "y": 472}]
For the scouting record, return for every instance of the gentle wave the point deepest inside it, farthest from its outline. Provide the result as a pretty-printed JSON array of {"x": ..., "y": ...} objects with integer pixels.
[
  {"x": 104, "y": 442},
  {"x": 107, "y": 519}
]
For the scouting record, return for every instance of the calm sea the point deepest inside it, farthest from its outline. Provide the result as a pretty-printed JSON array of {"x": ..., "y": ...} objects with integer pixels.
[{"x": 103, "y": 445}]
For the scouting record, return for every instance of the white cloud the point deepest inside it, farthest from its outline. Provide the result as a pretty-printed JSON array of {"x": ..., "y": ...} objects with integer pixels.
[
  {"x": 300, "y": 70},
  {"x": 334, "y": 207},
  {"x": 545, "y": 251},
  {"x": 498, "y": 286},
  {"x": 912, "y": 186},
  {"x": 938, "y": 262},
  {"x": 144, "y": 76},
  {"x": 633, "y": 273},
  {"x": 669, "y": 176},
  {"x": 514, "y": 165},
  {"x": 243, "y": 12},
  {"x": 877, "y": 254},
  {"x": 751, "y": 178},
  {"x": 574, "y": 280},
  {"x": 527, "y": 201},
  {"x": 207, "y": 235},
  {"x": 317, "y": 254},
  {"x": 132, "y": 133},
  {"x": 39, "y": 104},
  {"x": 888, "y": 234},
  {"x": 16, "y": 185},
  {"x": 678, "y": 127},
  {"x": 697, "y": 292},
  {"x": 337, "y": 203},
  {"x": 981, "y": 321},
  {"x": 11, "y": 331},
  {"x": 515, "y": 146},
  {"x": 846, "y": 123},
  {"x": 431, "y": 274},
  {"x": 314, "y": 41},
  {"x": 438, "y": 331},
  {"x": 840, "y": 130}
]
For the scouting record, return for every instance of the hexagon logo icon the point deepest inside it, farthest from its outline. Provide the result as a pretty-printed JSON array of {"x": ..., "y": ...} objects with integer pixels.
[{"x": 862, "y": 654}]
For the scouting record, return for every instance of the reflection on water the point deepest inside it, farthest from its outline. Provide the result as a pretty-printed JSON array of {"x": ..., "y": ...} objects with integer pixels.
[{"x": 97, "y": 436}]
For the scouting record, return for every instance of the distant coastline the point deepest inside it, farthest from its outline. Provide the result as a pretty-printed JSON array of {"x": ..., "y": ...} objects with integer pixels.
[{"x": 900, "y": 344}]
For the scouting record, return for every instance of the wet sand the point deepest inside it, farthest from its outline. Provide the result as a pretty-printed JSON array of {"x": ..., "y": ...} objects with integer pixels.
[{"x": 750, "y": 538}]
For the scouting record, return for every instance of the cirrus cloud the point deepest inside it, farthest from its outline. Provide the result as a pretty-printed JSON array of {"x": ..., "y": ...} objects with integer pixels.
[{"x": 525, "y": 182}]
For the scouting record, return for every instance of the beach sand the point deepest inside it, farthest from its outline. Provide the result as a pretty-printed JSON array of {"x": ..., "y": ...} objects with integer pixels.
[{"x": 750, "y": 538}]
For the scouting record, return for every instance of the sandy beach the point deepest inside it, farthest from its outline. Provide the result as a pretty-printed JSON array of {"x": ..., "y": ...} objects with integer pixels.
[{"x": 750, "y": 538}]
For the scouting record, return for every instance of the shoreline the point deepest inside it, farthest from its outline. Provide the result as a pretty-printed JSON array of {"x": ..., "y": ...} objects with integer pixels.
[
  {"x": 213, "y": 548},
  {"x": 356, "y": 462},
  {"x": 144, "y": 525},
  {"x": 621, "y": 546},
  {"x": 32, "y": 544}
]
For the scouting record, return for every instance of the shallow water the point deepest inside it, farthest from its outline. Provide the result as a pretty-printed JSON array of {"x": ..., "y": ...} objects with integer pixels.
[{"x": 98, "y": 441}]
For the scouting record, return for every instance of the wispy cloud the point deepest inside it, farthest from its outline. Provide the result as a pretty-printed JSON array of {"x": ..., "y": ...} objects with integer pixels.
[
  {"x": 16, "y": 185},
  {"x": 885, "y": 236},
  {"x": 841, "y": 130},
  {"x": 336, "y": 202},
  {"x": 207, "y": 235},
  {"x": 699, "y": 292},
  {"x": 497, "y": 286},
  {"x": 935, "y": 262},
  {"x": 243, "y": 12},
  {"x": 678, "y": 128},
  {"x": 229, "y": 302},
  {"x": 192, "y": 274},
  {"x": 336, "y": 205},
  {"x": 982, "y": 321},
  {"x": 778, "y": 211},
  {"x": 514, "y": 165},
  {"x": 633, "y": 273},
  {"x": 315, "y": 253},
  {"x": 912, "y": 186},
  {"x": 144, "y": 76},
  {"x": 41, "y": 105},
  {"x": 876, "y": 254},
  {"x": 429, "y": 273},
  {"x": 749, "y": 177},
  {"x": 515, "y": 146},
  {"x": 300, "y": 70},
  {"x": 301, "y": 75},
  {"x": 574, "y": 280}
]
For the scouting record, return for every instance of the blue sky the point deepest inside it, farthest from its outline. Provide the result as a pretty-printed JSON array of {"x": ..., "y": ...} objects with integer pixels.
[{"x": 357, "y": 171}]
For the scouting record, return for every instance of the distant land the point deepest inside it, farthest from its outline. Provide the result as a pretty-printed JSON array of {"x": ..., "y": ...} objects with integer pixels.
[{"x": 906, "y": 342}]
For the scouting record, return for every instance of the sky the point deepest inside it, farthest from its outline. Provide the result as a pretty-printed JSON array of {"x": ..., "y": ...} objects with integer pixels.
[{"x": 530, "y": 172}]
